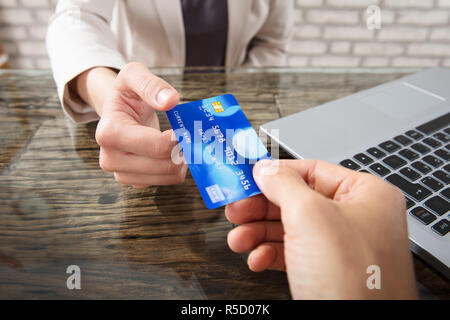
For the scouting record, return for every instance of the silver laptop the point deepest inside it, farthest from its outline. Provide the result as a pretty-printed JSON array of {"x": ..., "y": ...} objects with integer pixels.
[{"x": 399, "y": 131}]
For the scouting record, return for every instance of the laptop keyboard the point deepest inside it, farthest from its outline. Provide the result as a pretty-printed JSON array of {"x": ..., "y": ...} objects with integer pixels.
[{"x": 417, "y": 162}]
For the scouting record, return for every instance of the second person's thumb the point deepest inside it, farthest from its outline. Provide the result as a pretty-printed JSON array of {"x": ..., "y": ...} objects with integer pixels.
[{"x": 284, "y": 187}]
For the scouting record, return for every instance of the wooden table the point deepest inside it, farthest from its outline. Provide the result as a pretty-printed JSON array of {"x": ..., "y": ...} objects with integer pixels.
[{"x": 59, "y": 209}]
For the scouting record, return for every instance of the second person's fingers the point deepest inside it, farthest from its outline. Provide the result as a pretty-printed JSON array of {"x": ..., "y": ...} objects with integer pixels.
[
  {"x": 252, "y": 209},
  {"x": 302, "y": 208},
  {"x": 328, "y": 179},
  {"x": 268, "y": 255},
  {"x": 281, "y": 185},
  {"x": 247, "y": 236}
]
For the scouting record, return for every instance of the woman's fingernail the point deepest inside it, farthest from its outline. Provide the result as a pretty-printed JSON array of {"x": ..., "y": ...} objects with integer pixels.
[{"x": 164, "y": 95}]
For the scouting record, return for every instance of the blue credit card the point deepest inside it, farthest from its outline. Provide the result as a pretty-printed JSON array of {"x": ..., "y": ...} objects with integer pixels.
[{"x": 220, "y": 147}]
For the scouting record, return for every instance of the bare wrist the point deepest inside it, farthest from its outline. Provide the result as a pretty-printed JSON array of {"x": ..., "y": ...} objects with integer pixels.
[{"x": 93, "y": 86}]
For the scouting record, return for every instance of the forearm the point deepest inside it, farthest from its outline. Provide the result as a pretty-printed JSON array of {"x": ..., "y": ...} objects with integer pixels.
[
  {"x": 93, "y": 86},
  {"x": 266, "y": 56}
]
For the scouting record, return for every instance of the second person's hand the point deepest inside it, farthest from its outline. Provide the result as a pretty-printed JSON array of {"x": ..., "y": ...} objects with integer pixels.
[{"x": 325, "y": 225}]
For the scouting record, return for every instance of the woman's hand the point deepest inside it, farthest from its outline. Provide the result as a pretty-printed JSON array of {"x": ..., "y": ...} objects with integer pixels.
[{"x": 131, "y": 143}]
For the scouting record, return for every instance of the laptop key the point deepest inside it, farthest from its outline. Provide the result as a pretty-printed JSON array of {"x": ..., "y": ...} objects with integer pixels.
[
  {"x": 438, "y": 205},
  {"x": 408, "y": 154},
  {"x": 435, "y": 124},
  {"x": 362, "y": 158},
  {"x": 403, "y": 140},
  {"x": 349, "y": 164},
  {"x": 442, "y": 227},
  {"x": 444, "y": 154},
  {"x": 379, "y": 169},
  {"x": 432, "y": 142},
  {"x": 414, "y": 134},
  {"x": 432, "y": 183},
  {"x": 446, "y": 193},
  {"x": 414, "y": 190},
  {"x": 447, "y": 146},
  {"x": 364, "y": 171},
  {"x": 389, "y": 146},
  {"x": 447, "y": 167},
  {"x": 420, "y": 148},
  {"x": 409, "y": 203},
  {"x": 423, "y": 215},
  {"x": 447, "y": 131},
  {"x": 433, "y": 161},
  {"x": 377, "y": 153},
  {"x": 394, "y": 162},
  {"x": 442, "y": 136},
  {"x": 441, "y": 175},
  {"x": 410, "y": 173},
  {"x": 422, "y": 167}
]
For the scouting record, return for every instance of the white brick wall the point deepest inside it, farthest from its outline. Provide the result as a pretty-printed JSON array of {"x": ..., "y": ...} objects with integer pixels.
[
  {"x": 414, "y": 33},
  {"x": 328, "y": 33}
]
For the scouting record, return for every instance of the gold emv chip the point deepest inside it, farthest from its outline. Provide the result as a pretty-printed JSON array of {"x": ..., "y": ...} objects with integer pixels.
[{"x": 217, "y": 107}]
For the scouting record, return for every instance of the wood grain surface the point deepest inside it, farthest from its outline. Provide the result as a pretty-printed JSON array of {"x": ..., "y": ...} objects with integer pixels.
[{"x": 58, "y": 208}]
